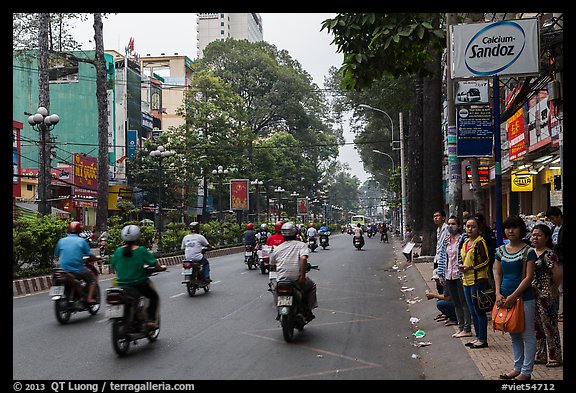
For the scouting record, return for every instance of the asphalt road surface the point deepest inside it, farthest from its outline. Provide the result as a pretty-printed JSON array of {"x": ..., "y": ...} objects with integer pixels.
[{"x": 362, "y": 329}]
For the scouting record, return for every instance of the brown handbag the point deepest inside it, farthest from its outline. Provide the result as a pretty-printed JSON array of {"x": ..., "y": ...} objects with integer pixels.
[{"x": 509, "y": 320}]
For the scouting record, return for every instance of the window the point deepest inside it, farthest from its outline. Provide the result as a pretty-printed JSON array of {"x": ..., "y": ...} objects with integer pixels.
[
  {"x": 221, "y": 32},
  {"x": 29, "y": 187}
]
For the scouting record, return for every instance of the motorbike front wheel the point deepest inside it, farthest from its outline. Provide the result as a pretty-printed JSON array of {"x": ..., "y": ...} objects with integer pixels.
[
  {"x": 287, "y": 322},
  {"x": 120, "y": 339}
]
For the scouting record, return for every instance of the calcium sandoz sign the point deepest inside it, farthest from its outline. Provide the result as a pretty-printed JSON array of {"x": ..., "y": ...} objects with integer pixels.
[{"x": 508, "y": 47}]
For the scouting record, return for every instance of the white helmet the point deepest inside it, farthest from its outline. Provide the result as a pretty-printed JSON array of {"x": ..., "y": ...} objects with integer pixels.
[
  {"x": 130, "y": 233},
  {"x": 264, "y": 227},
  {"x": 289, "y": 229}
]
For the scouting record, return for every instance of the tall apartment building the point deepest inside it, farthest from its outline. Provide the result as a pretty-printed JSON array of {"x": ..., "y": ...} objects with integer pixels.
[{"x": 220, "y": 26}]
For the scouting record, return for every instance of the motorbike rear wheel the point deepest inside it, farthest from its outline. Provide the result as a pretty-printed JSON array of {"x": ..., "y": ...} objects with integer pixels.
[
  {"x": 120, "y": 339},
  {"x": 287, "y": 322},
  {"x": 263, "y": 268},
  {"x": 62, "y": 312},
  {"x": 207, "y": 287},
  {"x": 191, "y": 288},
  {"x": 93, "y": 309}
]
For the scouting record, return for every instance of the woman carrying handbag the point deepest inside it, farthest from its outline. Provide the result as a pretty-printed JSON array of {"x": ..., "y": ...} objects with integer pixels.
[{"x": 513, "y": 274}]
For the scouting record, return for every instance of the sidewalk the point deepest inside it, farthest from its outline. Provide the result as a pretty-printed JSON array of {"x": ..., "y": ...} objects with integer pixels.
[{"x": 497, "y": 358}]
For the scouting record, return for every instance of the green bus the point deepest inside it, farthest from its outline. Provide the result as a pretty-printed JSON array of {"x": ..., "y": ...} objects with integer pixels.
[{"x": 358, "y": 219}]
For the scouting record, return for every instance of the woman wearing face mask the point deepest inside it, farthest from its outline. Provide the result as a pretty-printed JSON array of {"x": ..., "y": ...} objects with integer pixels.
[{"x": 451, "y": 278}]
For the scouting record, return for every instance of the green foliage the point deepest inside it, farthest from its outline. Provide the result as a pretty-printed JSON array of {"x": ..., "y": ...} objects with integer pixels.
[
  {"x": 378, "y": 44},
  {"x": 34, "y": 241}
]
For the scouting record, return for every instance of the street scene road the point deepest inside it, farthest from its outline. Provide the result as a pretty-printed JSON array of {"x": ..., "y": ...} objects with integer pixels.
[{"x": 362, "y": 329}]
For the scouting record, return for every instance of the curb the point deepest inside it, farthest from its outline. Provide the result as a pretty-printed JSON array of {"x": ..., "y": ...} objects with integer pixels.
[{"x": 32, "y": 285}]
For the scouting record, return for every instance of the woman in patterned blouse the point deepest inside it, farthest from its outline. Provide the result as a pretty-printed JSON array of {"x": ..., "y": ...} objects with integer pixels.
[{"x": 547, "y": 277}]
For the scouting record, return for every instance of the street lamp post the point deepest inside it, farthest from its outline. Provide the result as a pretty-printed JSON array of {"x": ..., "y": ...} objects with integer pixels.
[
  {"x": 279, "y": 190},
  {"x": 257, "y": 183},
  {"x": 220, "y": 172},
  {"x": 295, "y": 195},
  {"x": 43, "y": 123},
  {"x": 160, "y": 154},
  {"x": 401, "y": 148},
  {"x": 393, "y": 165}
]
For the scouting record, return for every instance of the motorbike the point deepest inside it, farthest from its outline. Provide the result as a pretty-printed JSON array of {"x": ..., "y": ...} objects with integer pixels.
[
  {"x": 312, "y": 243},
  {"x": 127, "y": 310},
  {"x": 290, "y": 305},
  {"x": 250, "y": 256},
  {"x": 370, "y": 233},
  {"x": 192, "y": 272},
  {"x": 324, "y": 241},
  {"x": 264, "y": 258},
  {"x": 63, "y": 293},
  {"x": 358, "y": 242}
]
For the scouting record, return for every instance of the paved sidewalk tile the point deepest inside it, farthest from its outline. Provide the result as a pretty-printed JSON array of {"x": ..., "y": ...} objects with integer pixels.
[{"x": 497, "y": 358}]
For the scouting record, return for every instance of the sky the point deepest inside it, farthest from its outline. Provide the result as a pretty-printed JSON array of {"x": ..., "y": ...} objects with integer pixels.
[{"x": 298, "y": 33}]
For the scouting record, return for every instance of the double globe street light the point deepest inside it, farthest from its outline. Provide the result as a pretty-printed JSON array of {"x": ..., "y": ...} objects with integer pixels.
[
  {"x": 160, "y": 154},
  {"x": 43, "y": 123}
]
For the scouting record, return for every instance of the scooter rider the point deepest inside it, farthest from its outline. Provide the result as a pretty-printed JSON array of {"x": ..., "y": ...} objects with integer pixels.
[
  {"x": 312, "y": 233},
  {"x": 71, "y": 250},
  {"x": 359, "y": 233},
  {"x": 250, "y": 235},
  {"x": 193, "y": 245},
  {"x": 276, "y": 238},
  {"x": 324, "y": 231},
  {"x": 290, "y": 260},
  {"x": 263, "y": 235},
  {"x": 128, "y": 261}
]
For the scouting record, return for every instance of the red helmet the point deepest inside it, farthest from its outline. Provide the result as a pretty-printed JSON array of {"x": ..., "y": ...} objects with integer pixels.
[
  {"x": 311, "y": 224},
  {"x": 278, "y": 226},
  {"x": 75, "y": 227},
  {"x": 249, "y": 226}
]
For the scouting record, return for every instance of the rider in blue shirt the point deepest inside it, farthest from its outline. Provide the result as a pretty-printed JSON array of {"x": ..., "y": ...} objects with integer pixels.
[{"x": 71, "y": 250}]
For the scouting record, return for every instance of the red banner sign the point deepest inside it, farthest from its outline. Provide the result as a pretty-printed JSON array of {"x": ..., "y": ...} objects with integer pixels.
[{"x": 239, "y": 194}]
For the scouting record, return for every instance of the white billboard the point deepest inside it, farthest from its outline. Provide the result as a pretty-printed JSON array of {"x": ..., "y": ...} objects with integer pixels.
[{"x": 508, "y": 47}]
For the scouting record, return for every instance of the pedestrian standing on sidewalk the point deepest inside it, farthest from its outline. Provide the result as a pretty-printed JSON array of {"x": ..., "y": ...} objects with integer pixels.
[
  {"x": 554, "y": 214},
  {"x": 451, "y": 278},
  {"x": 441, "y": 235},
  {"x": 474, "y": 269},
  {"x": 514, "y": 266},
  {"x": 547, "y": 277},
  {"x": 408, "y": 238}
]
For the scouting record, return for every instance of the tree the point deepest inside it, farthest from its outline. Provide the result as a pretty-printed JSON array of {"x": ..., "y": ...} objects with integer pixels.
[{"x": 399, "y": 44}]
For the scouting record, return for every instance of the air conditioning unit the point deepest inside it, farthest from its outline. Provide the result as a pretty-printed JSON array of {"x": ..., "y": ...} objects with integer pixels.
[{"x": 554, "y": 92}]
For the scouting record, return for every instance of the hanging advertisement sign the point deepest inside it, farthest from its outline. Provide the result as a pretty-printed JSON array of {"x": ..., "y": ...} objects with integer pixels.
[
  {"x": 522, "y": 182},
  {"x": 507, "y": 47},
  {"x": 132, "y": 139},
  {"x": 302, "y": 206},
  {"x": 85, "y": 175},
  {"x": 239, "y": 195},
  {"x": 474, "y": 131},
  {"x": 538, "y": 120}
]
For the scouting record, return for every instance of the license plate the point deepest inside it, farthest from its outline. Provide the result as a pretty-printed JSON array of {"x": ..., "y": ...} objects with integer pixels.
[
  {"x": 57, "y": 291},
  {"x": 248, "y": 253},
  {"x": 284, "y": 301},
  {"x": 272, "y": 275},
  {"x": 115, "y": 311},
  {"x": 186, "y": 271}
]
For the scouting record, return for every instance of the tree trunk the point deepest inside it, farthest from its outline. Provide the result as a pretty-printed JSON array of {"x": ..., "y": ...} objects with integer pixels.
[
  {"x": 432, "y": 153},
  {"x": 102, "y": 99},
  {"x": 413, "y": 157},
  {"x": 44, "y": 172}
]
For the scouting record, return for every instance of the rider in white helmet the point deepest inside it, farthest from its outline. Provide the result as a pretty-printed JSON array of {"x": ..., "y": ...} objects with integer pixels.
[
  {"x": 193, "y": 245},
  {"x": 128, "y": 261}
]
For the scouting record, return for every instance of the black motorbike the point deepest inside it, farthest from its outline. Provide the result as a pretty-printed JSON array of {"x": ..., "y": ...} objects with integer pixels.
[
  {"x": 127, "y": 310},
  {"x": 312, "y": 243},
  {"x": 358, "y": 242},
  {"x": 64, "y": 293},
  {"x": 250, "y": 258},
  {"x": 263, "y": 255},
  {"x": 292, "y": 309},
  {"x": 193, "y": 279},
  {"x": 324, "y": 241}
]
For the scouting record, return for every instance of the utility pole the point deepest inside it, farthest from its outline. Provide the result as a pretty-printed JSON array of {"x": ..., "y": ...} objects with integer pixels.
[
  {"x": 402, "y": 176},
  {"x": 454, "y": 163}
]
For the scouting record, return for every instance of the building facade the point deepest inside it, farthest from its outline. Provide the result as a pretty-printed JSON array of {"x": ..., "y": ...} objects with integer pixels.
[{"x": 220, "y": 26}]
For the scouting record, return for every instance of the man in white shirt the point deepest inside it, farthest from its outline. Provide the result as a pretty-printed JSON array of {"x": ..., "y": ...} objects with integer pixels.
[
  {"x": 441, "y": 235},
  {"x": 290, "y": 259},
  {"x": 193, "y": 245}
]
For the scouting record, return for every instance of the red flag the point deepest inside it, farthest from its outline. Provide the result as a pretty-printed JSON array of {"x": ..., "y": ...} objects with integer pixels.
[{"x": 131, "y": 44}]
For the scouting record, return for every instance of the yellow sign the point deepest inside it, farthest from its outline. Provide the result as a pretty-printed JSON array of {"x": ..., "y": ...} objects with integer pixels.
[
  {"x": 118, "y": 193},
  {"x": 522, "y": 182}
]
